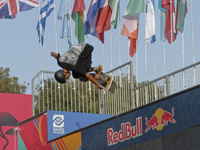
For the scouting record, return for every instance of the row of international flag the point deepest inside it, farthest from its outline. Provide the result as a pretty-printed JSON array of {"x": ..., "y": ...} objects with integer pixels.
[{"x": 102, "y": 13}]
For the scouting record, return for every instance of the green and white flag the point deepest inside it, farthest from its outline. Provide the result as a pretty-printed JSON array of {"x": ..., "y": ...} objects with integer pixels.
[
  {"x": 135, "y": 6},
  {"x": 114, "y": 5},
  {"x": 181, "y": 13}
]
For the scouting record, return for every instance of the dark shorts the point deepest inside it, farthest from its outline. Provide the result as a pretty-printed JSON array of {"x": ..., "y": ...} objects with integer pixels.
[
  {"x": 79, "y": 76},
  {"x": 85, "y": 59},
  {"x": 83, "y": 64}
]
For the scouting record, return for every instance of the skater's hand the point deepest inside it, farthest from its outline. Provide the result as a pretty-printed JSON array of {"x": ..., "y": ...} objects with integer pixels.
[
  {"x": 53, "y": 54},
  {"x": 100, "y": 87},
  {"x": 67, "y": 74}
]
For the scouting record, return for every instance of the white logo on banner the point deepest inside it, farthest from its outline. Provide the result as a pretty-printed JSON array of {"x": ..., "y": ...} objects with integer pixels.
[{"x": 58, "y": 124}]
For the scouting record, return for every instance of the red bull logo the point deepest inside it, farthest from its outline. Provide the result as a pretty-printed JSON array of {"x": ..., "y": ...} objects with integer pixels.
[{"x": 160, "y": 119}]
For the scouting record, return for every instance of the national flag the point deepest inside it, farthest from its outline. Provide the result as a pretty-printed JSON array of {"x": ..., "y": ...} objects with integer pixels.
[
  {"x": 181, "y": 13},
  {"x": 131, "y": 23},
  {"x": 46, "y": 9},
  {"x": 136, "y": 6},
  {"x": 103, "y": 23},
  {"x": 9, "y": 8},
  {"x": 150, "y": 32},
  {"x": 170, "y": 27},
  {"x": 114, "y": 5},
  {"x": 162, "y": 21},
  {"x": 130, "y": 29},
  {"x": 92, "y": 17},
  {"x": 77, "y": 16},
  {"x": 63, "y": 16},
  {"x": 8, "y": 17}
]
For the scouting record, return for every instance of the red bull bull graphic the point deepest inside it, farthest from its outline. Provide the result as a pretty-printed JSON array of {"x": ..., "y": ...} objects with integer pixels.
[
  {"x": 160, "y": 119},
  {"x": 130, "y": 132}
]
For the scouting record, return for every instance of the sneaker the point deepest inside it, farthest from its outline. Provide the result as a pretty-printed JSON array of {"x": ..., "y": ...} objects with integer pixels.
[
  {"x": 100, "y": 69},
  {"x": 108, "y": 83}
]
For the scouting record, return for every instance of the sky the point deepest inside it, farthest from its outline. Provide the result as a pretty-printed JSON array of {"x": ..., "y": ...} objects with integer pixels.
[{"x": 21, "y": 51}]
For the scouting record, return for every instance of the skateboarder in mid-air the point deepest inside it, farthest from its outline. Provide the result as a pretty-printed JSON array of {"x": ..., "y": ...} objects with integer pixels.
[{"x": 78, "y": 60}]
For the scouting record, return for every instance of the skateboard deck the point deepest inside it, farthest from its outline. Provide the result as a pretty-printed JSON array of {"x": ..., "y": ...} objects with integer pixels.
[{"x": 112, "y": 86}]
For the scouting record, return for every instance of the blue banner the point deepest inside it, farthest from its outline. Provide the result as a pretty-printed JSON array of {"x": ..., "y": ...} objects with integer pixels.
[
  {"x": 159, "y": 119},
  {"x": 60, "y": 123}
]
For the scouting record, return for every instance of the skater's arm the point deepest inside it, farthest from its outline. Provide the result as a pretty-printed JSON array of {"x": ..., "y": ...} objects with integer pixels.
[
  {"x": 89, "y": 77},
  {"x": 65, "y": 53}
]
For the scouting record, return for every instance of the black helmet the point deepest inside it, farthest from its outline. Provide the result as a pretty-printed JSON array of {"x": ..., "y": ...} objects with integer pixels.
[{"x": 59, "y": 76}]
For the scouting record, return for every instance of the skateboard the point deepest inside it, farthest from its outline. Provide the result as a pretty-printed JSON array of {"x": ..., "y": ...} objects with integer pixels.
[{"x": 112, "y": 86}]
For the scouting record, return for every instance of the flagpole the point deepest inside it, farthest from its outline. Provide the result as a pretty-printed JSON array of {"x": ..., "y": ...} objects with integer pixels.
[
  {"x": 162, "y": 13},
  {"x": 137, "y": 92},
  {"x": 192, "y": 31},
  {"x": 154, "y": 47},
  {"x": 192, "y": 41},
  {"x": 111, "y": 65},
  {"x": 86, "y": 42},
  {"x": 183, "y": 78},
  {"x": 70, "y": 24},
  {"x": 71, "y": 42},
  {"x": 56, "y": 39},
  {"x": 183, "y": 62},
  {"x": 56, "y": 47},
  {"x": 41, "y": 51},
  {"x": 119, "y": 37},
  {"x": 128, "y": 61},
  {"x": 145, "y": 51},
  {"x": 128, "y": 42},
  {"x": 164, "y": 57},
  {"x": 155, "y": 87},
  {"x": 128, "y": 54},
  {"x": 145, "y": 44},
  {"x": 120, "y": 81},
  {"x": 171, "y": 14},
  {"x": 84, "y": 21},
  {"x": 55, "y": 29}
]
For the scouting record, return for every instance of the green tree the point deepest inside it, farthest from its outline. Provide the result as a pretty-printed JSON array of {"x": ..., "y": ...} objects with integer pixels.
[
  {"x": 10, "y": 84},
  {"x": 47, "y": 97}
]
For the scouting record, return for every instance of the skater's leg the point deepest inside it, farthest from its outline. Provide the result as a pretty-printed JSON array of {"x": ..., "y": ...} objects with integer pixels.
[
  {"x": 107, "y": 79},
  {"x": 104, "y": 77},
  {"x": 96, "y": 69},
  {"x": 90, "y": 77},
  {"x": 101, "y": 76}
]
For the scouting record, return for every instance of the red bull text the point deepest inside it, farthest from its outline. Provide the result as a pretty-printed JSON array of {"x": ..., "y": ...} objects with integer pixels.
[{"x": 127, "y": 132}]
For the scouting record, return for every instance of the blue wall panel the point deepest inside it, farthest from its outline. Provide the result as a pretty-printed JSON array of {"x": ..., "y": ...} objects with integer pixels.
[{"x": 159, "y": 119}]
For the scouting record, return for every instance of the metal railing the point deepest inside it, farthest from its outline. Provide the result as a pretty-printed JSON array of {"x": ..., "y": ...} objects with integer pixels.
[
  {"x": 122, "y": 100},
  {"x": 169, "y": 84},
  {"x": 76, "y": 96}
]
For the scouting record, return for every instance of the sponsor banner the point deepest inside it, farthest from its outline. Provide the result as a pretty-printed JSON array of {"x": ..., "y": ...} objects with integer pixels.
[
  {"x": 159, "y": 119},
  {"x": 60, "y": 123},
  {"x": 37, "y": 128},
  {"x": 14, "y": 108},
  {"x": 33, "y": 134}
]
